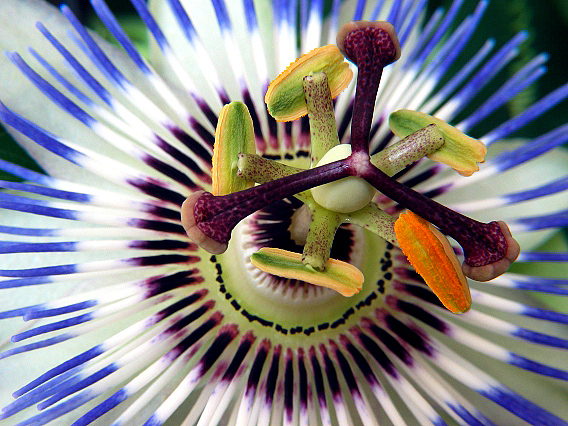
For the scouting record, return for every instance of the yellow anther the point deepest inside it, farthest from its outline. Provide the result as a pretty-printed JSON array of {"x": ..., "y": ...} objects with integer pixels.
[
  {"x": 234, "y": 135},
  {"x": 285, "y": 96},
  {"x": 340, "y": 276}
]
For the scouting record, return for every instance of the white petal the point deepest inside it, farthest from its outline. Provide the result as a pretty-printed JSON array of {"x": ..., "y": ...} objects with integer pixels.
[
  {"x": 206, "y": 59},
  {"x": 17, "y": 33}
]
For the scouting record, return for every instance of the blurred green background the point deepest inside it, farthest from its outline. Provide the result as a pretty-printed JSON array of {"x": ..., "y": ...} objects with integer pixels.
[{"x": 547, "y": 23}]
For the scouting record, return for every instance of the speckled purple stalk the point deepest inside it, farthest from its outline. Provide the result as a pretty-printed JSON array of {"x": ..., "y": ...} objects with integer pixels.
[
  {"x": 217, "y": 216},
  {"x": 371, "y": 49},
  {"x": 483, "y": 243}
]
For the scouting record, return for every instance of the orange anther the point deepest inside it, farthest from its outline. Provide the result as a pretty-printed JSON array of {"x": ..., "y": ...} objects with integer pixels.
[{"x": 428, "y": 250}]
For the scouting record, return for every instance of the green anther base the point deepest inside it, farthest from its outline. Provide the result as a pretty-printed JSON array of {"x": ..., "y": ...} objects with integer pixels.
[
  {"x": 372, "y": 218},
  {"x": 261, "y": 170}
]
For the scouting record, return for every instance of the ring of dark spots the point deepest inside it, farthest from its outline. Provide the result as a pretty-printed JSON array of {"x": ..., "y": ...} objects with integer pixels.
[
  {"x": 272, "y": 157},
  {"x": 367, "y": 301},
  {"x": 309, "y": 331},
  {"x": 343, "y": 318},
  {"x": 337, "y": 323},
  {"x": 385, "y": 262},
  {"x": 381, "y": 286},
  {"x": 253, "y": 318}
]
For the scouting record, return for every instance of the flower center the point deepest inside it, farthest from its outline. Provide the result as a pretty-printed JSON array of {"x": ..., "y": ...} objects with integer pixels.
[
  {"x": 340, "y": 184},
  {"x": 345, "y": 195}
]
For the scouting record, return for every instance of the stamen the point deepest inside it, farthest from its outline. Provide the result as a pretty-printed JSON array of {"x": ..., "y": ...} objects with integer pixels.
[
  {"x": 234, "y": 135},
  {"x": 340, "y": 276},
  {"x": 433, "y": 258},
  {"x": 459, "y": 151},
  {"x": 372, "y": 46},
  {"x": 285, "y": 97}
]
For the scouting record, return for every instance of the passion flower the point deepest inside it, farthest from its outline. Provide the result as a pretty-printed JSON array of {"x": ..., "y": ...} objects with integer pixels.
[{"x": 112, "y": 315}]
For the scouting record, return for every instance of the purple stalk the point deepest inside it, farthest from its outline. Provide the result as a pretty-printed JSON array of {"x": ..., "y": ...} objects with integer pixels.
[
  {"x": 216, "y": 216},
  {"x": 371, "y": 46},
  {"x": 483, "y": 243}
]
